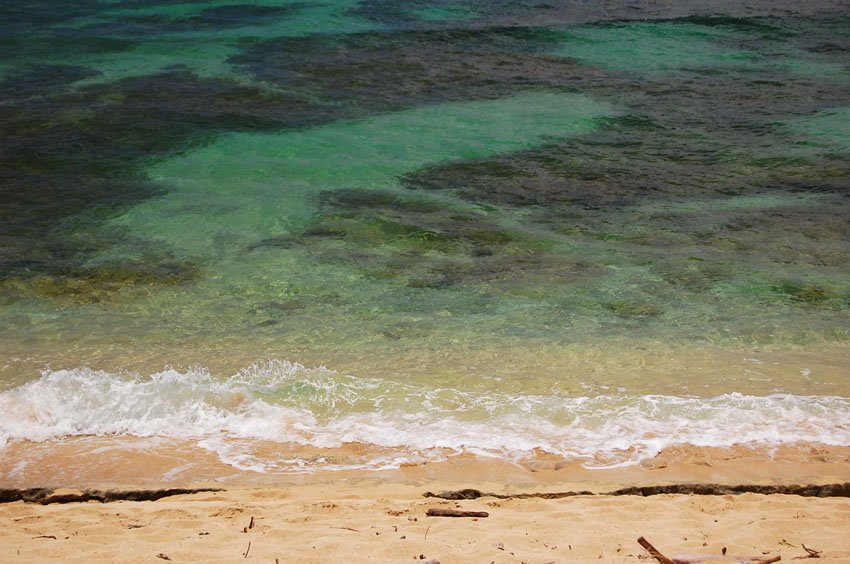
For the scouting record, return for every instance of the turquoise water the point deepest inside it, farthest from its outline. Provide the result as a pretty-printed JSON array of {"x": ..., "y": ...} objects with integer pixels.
[{"x": 497, "y": 203}]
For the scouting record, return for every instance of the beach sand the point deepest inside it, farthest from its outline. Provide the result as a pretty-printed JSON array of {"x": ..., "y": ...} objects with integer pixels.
[{"x": 381, "y": 516}]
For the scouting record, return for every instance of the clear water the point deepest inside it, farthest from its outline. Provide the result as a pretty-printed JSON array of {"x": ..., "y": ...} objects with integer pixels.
[{"x": 527, "y": 211}]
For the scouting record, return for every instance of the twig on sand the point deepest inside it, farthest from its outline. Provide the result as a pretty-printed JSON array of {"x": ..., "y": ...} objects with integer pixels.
[
  {"x": 426, "y": 532},
  {"x": 247, "y": 551},
  {"x": 440, "y": 512},
  {"x": 654, "y": 551},
  {"x": 163, "y": 555},
  {"x": 810, "y": 553}
]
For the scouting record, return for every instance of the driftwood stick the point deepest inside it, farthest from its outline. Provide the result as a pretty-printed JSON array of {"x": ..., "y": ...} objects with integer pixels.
[
  {"x": 811, "y": 552},
  {"x": 654, "y": 551},
  {"x": 247, "y": 551},
  {"x": 439, "y": 512},
  {"x": 770, "y": 560},
  {"x": 697, "y": 558}
]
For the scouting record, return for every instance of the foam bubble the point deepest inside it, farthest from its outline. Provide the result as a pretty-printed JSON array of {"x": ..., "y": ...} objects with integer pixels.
[{"x": 281, "y": 402}]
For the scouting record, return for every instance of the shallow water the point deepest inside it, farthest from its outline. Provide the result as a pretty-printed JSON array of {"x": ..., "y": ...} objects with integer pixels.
[{"x": 601, "y": 230}]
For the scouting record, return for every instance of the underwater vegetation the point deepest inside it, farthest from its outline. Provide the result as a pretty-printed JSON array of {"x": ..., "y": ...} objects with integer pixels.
[{"x": 703, "y": 169}]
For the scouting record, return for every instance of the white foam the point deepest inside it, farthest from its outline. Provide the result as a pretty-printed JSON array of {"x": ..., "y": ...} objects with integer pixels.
[{"x": 287, "y": 403}]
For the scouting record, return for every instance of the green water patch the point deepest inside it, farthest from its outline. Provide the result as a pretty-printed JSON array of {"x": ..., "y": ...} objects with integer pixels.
[
  {"x": 287, "y": 243},
  {"x": 651, "y": 47},
  {"x": 184, "y": 17},
  {"x": 199, "y": 36},
  {"x": 228, "y": 18},
  {"x": 827, "y": 130},
  {"x": 245, "y": 188},
  {"x": 203, "y": 59},
  {"x": 754, "y": 48}
]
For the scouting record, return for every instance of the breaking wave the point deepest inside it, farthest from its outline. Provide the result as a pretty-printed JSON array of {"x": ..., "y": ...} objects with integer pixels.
[{"x": 282, "y": 402}]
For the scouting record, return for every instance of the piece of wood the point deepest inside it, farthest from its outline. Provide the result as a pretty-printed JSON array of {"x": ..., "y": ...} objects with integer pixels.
[
  {"x": 697, "y": 558},
  {"x": 440, "y": 512},
  {"x": 654, "y": 552},
  {"x": 810, "y": 553},
  {"x": 770, "y": 560},
  {"x": 249, "y": 549},
  {"x": 251, "y": 524}
]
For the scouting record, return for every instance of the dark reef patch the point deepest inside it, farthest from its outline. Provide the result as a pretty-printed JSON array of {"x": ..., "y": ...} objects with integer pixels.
[
  {"x": 420, "y": 242},
  {"x": 670, "y": 185},
  {"x": 71, "y": 158},
  {"x": 371, "y": 73},
  {"x": 95, "y": 285}
]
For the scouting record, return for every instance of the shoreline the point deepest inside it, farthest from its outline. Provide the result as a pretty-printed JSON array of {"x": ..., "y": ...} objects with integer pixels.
[
  {"x": 132, "y": 463},
  {"x": 367, "y": 518}
]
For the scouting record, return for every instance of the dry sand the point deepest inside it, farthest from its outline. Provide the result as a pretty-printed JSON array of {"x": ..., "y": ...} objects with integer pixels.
[{"x": 381, "y": 517}]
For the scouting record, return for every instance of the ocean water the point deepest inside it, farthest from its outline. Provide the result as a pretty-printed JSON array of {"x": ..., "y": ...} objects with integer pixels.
[{"x": 271, "y": 229}]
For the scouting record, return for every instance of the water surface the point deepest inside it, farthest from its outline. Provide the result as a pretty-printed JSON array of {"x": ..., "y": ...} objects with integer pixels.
[{"x": 600, "y": 230}]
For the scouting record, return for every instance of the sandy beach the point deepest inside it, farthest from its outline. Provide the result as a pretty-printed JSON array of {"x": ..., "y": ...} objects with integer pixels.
[
  {"x": 382, "y": 516},
  {"x": 271, "y": 271}
]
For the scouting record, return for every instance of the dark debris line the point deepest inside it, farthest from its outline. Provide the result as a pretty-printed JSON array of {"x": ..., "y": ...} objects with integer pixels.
[
  {"x": 810, "y": 490},
  {"x": 46, "y": 496}
]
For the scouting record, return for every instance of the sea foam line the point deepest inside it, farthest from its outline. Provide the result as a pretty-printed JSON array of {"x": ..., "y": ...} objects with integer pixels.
[{"x": 287, "y": 403}]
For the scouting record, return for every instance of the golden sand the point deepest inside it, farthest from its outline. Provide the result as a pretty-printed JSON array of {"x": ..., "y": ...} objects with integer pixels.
[{"x": 381, "y": 516}]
